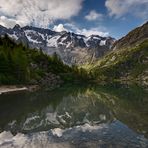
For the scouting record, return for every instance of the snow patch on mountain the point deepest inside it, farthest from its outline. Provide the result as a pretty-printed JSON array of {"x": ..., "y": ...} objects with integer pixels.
[
  {"x": 52, "y": 42},
  {"x": 13, "y": 36},
  {"x": 102, "y": 42}
]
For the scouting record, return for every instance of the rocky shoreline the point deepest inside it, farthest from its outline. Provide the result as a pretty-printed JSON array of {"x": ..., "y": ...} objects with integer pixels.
[
  {"x": 49, "y": 82},
  {"x": 6, "y": 89}
]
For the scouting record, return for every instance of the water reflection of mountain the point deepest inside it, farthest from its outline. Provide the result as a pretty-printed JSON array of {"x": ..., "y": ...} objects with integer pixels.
[{"x": 71, "y": 106}]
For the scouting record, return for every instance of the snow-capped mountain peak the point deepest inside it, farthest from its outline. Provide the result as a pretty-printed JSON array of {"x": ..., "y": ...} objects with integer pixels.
[{"x": 72, "y": 48}]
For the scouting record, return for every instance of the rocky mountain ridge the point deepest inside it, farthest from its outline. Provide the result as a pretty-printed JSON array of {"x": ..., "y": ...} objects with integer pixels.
[
  {"x": 72, "y": 48},
  {"x": 133, "y": 38}
]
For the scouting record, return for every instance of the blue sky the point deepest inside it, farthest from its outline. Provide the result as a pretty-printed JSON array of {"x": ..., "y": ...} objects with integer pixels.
[{"x": 104, "y": 17}]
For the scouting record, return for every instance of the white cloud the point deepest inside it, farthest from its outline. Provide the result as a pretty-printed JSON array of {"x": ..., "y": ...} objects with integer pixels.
[
  {"x": 72, "y": 27},
  {"x": 93, "y": 31},
  {"x": 119, "y": 8},
  {"x": 87, "y": 32},
  {"x": 59, "y": 28},
  {"x": 7, "y": 22},
  {"x": 37, "y": 12},
  {"x": 10, "y": 22},
  {"x": 93, "y": 15}
]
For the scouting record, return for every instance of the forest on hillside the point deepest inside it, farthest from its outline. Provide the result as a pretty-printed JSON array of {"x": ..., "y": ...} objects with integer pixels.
[{"x": 21, "y": 65}]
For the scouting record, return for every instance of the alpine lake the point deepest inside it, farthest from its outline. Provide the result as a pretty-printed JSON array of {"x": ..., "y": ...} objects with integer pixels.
[{"x": 86, "y": 116}]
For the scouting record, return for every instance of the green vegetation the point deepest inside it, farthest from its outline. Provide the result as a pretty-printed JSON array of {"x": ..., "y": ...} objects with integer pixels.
[
  {"x": 20, "y": 65},
  {"x": 127, "y": 63}
]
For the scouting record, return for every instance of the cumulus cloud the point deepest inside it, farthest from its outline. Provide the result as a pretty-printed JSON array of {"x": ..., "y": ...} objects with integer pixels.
[
  {"x": 93, "y": 15},
  {"x": 10, "y": 22},
  {"x": 72, "y": 27},
  {"x": 93, "y": 31},
  {"x": 7, "y": 22},
  {"x": 119, "y": 8},
  {"x": 37, "y": 12},
  {"x": 59, "y": 28},
  {"x": 87, "y": 32}
]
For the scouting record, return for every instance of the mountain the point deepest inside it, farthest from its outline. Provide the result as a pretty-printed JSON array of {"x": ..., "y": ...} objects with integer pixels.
[
  {"x": 133, "y": 38},
  {"x": 22, "y": 65},
  {"x": 128, "y": 60},
  {"x": 72, "y": 48}
]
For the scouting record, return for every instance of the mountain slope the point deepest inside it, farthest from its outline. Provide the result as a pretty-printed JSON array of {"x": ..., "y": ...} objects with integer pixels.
[
  {"x": 133, "y": 38},
  {"x": 129, "y": 61},
  {"x": 72, "y": 48},
  {"x": 21, "y": 65}
]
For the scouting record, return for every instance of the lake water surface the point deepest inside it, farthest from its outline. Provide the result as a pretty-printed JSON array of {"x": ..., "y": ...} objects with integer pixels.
[{"x": 76, "y": 116}]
